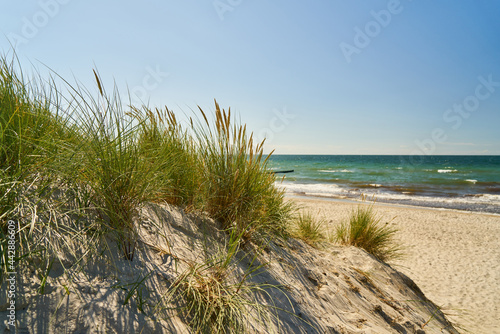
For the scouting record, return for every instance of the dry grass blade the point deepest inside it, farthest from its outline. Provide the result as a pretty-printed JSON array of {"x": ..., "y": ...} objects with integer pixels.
[{"x": 98, "y": 80}]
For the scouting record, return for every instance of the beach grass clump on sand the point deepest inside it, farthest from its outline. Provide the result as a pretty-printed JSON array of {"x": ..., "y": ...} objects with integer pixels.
[
  {"x": 216, "y": 297},
  {"x": 163, "y": 140},
  {"x": 365, "y": 230},
  {"x": 238, "y": 188},
  {"x": 31, "y": 134},
  {"x": 28, "y": 132},
  {"x": 76, "y": 168},
  {"x": 109, "y": 164},
  {"x": 79, "y": 165},
  {"x": 214, "y": 167},
  {"x": 306, "y": 227}
]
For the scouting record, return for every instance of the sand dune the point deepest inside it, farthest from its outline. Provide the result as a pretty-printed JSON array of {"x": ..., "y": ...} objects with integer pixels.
[{"x": 334, "y": 289}]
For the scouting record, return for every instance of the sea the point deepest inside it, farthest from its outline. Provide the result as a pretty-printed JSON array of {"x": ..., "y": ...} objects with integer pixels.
[{"x": 470, "y": 183}]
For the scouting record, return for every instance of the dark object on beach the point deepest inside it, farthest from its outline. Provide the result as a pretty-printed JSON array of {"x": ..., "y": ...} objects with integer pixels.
[{"x": 283, "y": 171}]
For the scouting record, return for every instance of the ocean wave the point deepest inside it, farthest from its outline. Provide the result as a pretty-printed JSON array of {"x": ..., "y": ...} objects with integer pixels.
[
  {"x": 335, "y": 191},
  {"x": 447, "y": 170},
  {"x": 490, "y": 198},
  {"x": 313, "y": 189},
  {"x": 471, "y": 181},
  {"x": 335, "y": 171},
  {"x": 465, "y": 201}
]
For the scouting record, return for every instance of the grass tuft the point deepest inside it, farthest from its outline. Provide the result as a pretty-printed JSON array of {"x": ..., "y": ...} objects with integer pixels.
[
  {"x": 163, "y": 142},
  {"x": 110, "y": 164},
  {"x": 238, "y": 188},
  {"x": 216, "y": 298},
  {"x": 365, "y": 230},
  {"x": 306, "y": 227}
]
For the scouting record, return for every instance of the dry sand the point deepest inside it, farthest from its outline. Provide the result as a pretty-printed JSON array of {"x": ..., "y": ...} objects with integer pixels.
[
  {"x": 453, "y": 256},
  {"x": 333, "y": 289}
]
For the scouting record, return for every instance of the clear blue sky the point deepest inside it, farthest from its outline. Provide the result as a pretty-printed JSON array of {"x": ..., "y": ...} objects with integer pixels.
[{"x": 330, "y": 77}]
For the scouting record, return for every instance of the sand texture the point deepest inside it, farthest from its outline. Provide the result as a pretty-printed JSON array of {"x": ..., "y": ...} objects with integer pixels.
[
  {"x": 453, "y": 256},
  {"x": 338, "y": 290}
]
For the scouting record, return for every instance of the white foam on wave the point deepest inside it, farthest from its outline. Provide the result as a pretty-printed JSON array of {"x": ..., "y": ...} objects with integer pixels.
[
  {"x": 313, "y": 189},
  {"x": 490, "y": 198},
  {"x": 471, "y": 181},
  {"x": 447, "y": 171},
  {"x": 335, "y": 171},
  {"x": 332, "y": 190},
  {"x": 476, "y": 199}
]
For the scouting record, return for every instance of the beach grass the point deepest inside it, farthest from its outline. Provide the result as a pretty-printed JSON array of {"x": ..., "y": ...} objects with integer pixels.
[
  {"x": 216, "y": 297},
  {"x": 109, "y": 163},
  {"x": 31, "y": 134},
  {"x": 365, "y": 230},
  {"x": 238, "y": 188},
  {"x": 308, "y": 228},
  {"x": 165, "y": 143},
  {"x": 77, "y": 167}
]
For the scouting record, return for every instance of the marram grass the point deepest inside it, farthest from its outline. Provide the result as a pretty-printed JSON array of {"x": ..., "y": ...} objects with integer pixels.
[
  {"x": 238, "y": 189},
  {"x": 163, "y": 141},
  {"x": 365, "y": 230},
  {"x": 215, "y": 298},
  {"x": 308, "y": 228},
  {"x": 76, "y": 168}
]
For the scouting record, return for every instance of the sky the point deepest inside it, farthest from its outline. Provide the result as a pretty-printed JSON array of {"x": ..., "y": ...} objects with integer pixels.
[{"x": 313, "y": 77}]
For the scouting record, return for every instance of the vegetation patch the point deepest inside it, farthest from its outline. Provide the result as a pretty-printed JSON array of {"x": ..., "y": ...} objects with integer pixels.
[
  {"x": 307, "y": 228},
  {"x": 365, "y": 230}
]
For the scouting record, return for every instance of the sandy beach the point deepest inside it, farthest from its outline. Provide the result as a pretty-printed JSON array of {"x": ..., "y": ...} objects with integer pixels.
[{"x": 453, "y": 256}]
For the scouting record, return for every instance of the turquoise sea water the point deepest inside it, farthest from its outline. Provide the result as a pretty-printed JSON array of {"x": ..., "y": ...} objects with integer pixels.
[{"x": 458, "y": 182}]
